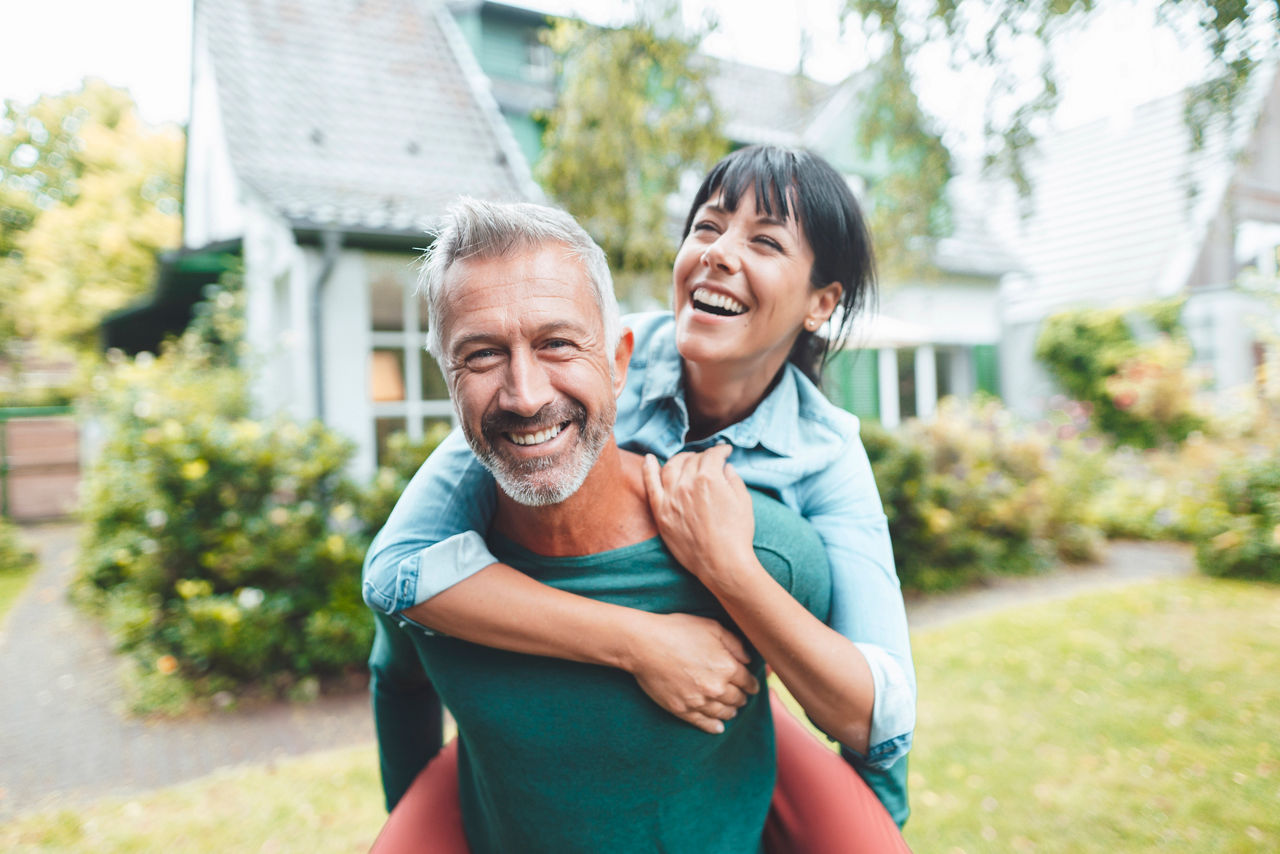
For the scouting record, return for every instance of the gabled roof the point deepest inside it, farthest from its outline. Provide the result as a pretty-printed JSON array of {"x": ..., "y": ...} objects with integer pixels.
[
  {"x": 761, "y": 106},
  {"x": 1120, "y": 207},
  {"x": 361, "y": 114}
]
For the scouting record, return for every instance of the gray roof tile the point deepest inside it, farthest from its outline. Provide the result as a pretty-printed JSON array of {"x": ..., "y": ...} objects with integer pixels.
[{"x": 357, "y": 113}]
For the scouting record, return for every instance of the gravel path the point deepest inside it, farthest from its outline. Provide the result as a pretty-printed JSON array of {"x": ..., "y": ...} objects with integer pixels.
[{"x": 64, "y": 738}]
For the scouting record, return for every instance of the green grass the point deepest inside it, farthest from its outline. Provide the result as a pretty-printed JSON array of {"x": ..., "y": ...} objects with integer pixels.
[
  {"x": 12, "y": 583},
  {"x": 1141, "y": 720},
  {"x": 325, "y": 802}
]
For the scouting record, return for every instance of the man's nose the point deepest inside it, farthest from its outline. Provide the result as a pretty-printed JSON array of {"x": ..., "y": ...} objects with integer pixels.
[{"x": 527, "y": 387}]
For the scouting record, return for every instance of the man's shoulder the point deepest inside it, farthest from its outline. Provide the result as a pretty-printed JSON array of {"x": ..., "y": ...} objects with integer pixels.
[{"x": 793, "y": 553}]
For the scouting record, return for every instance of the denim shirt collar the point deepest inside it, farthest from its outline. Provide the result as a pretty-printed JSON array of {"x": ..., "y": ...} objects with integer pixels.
[{"x": 773, "y": 424}]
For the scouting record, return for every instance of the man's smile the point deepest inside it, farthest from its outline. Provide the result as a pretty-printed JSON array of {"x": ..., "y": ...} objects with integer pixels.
[{"x": 536, "y": 437}]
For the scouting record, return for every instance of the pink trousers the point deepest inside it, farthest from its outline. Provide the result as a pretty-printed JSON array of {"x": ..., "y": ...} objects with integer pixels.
[{"x": 819, "y": 804}]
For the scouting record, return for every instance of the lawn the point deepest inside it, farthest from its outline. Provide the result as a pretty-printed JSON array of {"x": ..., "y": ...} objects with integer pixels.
[
  {"x": 1131, "y": 721},
  {"x": 1141, "y": 720},
  {"x": 12, "y": 583}
]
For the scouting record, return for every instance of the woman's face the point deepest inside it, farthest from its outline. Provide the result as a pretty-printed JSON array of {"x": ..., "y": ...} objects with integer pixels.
[{"x": 742, "y": 289}]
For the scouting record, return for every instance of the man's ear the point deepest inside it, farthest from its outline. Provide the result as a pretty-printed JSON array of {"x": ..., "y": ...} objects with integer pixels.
[{"x": 622, "y": 360}]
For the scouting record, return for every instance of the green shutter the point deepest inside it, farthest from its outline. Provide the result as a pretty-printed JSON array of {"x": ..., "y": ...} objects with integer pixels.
[
  {"x": 853, "y": 382},
  {"x": 986, "y": 368}
]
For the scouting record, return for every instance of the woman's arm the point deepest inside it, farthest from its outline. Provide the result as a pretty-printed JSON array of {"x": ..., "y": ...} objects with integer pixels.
[
  {"x": 704, "y": 513},
  {"x": 430, "y": 553},
  {"x": 691, "y": 666}
]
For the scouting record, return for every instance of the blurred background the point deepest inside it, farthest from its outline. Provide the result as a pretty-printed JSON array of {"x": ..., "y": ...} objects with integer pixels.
[{"x": 213, "y": 387}]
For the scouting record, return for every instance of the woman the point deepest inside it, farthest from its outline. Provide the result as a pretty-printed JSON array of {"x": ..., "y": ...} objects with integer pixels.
[{"x": 773, "y": 246}]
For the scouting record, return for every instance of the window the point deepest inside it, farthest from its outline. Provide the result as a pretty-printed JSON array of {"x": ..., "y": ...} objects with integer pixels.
[{"x": 405, "y": 385}]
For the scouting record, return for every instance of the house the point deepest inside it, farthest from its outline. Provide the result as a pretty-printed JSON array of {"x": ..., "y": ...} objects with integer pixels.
[
  {"x": 953, "y": 313},
  {"x": 325, "y": 139},
  {"x": 1127, "y": 210}
]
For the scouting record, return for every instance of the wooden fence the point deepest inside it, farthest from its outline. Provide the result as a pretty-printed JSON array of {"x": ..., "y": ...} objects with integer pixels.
[{"x": 39, "y": 463}]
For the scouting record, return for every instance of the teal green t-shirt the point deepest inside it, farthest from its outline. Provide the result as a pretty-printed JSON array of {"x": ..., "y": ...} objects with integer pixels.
[{"x": 558, "y": 756}]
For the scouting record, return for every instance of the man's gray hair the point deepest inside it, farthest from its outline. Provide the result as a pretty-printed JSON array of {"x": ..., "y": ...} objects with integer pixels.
[{"x": 478, "y": 229}]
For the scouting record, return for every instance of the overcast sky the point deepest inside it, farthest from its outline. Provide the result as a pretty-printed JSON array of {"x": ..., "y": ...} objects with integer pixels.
[{"x": 144, "y": 46}]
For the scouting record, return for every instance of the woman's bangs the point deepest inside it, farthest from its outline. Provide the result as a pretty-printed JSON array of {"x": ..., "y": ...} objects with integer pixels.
[{"x": 763, "y": 176}]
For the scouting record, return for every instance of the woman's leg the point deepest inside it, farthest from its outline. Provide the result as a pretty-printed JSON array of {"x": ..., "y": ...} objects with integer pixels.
[
  {"x": 428, "y": 817},
  {"x": 820, "y": 804}
]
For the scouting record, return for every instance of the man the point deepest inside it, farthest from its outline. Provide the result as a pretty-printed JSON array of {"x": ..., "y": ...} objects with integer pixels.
[{"x": 557, "y": 755}]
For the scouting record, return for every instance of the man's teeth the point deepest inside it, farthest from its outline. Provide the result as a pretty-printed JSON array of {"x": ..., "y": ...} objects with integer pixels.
[
  {"x": 536, "y": 438},
  {"x": 710, "y": 299}
]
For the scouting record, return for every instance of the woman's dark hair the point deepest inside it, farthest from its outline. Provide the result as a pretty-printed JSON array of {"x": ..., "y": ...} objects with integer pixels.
[{"x": 831, "y": 221}]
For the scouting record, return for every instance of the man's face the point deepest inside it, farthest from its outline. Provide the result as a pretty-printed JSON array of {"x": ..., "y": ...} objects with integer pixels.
[{"x": 528, "y": 371}]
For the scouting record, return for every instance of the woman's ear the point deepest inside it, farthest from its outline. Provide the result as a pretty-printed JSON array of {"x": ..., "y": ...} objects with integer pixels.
[
  {"x": 822, "y": 302},
  {"x": 622, "y": 360}
]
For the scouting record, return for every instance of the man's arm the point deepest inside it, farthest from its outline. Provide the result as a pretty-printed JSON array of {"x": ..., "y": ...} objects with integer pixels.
[{"x": 406, "y": 711}]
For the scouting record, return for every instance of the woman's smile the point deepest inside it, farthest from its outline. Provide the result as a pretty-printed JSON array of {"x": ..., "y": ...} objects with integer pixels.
[{"x": 715, "y": 302}]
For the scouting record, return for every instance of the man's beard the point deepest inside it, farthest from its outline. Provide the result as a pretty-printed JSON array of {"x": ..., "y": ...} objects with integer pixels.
[{"x": 545, "y": 480}]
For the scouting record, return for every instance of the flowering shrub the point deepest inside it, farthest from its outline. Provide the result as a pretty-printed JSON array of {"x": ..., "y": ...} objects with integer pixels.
[
  {"x": 974, "y": 493},
  {"x": 1242, "y": 538},
  {"x": 224, "y": 553},
  {"x": 227, "y": 544},
  {"x": 1141, "y": 393}
]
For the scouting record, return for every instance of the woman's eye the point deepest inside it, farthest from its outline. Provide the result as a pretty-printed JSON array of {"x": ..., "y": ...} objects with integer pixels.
[
  {"x": 769, "y": 242},
  {"x": 705, "y": 226}
]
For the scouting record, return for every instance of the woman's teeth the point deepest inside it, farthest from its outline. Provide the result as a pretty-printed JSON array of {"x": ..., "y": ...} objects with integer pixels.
[
  {"x": 716, "y": 303},
  {"x": 536, "y": 438}
]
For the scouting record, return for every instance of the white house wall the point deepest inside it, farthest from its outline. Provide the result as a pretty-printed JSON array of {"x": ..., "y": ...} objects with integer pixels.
[
  {"x": 211, "y": 206},
  {"x": 271, "y": 260},
  {"x": 953, "y": 313},
  {"x": 346, "y": 325}
]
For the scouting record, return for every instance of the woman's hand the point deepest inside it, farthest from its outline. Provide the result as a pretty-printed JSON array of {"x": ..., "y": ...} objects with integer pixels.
[
  {"x": 703, "y": 510},
  {"x": 694, "y": 668}
]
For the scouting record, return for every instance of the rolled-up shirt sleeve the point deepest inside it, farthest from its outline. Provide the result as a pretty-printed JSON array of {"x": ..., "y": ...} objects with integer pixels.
[
  {"x": 434, "y": 537},
  {"x": 843, "y": 505}
]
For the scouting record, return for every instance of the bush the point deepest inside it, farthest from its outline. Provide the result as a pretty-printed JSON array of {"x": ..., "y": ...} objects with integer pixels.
[
  {"x": 15, "y": 557},
  {"x": 973, "y": 493},
  {"x": 402, "y": 459},
  {"x": 224, "y": 552},
  {"x": 1142, "y": 393},
  {"x": 1243, "y": 538}
]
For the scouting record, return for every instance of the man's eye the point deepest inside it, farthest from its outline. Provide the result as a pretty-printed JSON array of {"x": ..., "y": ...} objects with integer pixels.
[
  {"x": 480, "y": 356},
  {"x": 557, "y": 344}
]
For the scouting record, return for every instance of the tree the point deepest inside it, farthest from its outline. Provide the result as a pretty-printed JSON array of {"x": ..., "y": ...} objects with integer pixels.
[
  {"x": 90, "y": 195},
  {"x": 634, "y": 115},
  {"x": 997, "y": 36}
]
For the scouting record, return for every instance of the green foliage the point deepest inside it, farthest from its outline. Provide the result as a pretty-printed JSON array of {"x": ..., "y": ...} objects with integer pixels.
[
  {"x": 1141, "y": 393},
  {"x": 223, "y": 552},
  {"x": 1244, "y": 539},
  {"x": 401, "y": 461},
  {"x": 15, "y": 557},
  {"x": 974, "y": 494},
  {"x": 904, "y": 201},
  {"x": 634, "y": 114},
  {"x": 1002, "y": 38},
  {"x": 89, "y": 196}
]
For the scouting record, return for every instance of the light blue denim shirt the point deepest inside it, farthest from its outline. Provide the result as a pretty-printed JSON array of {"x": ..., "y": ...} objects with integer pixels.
[{"x": 796, "y": 444}]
